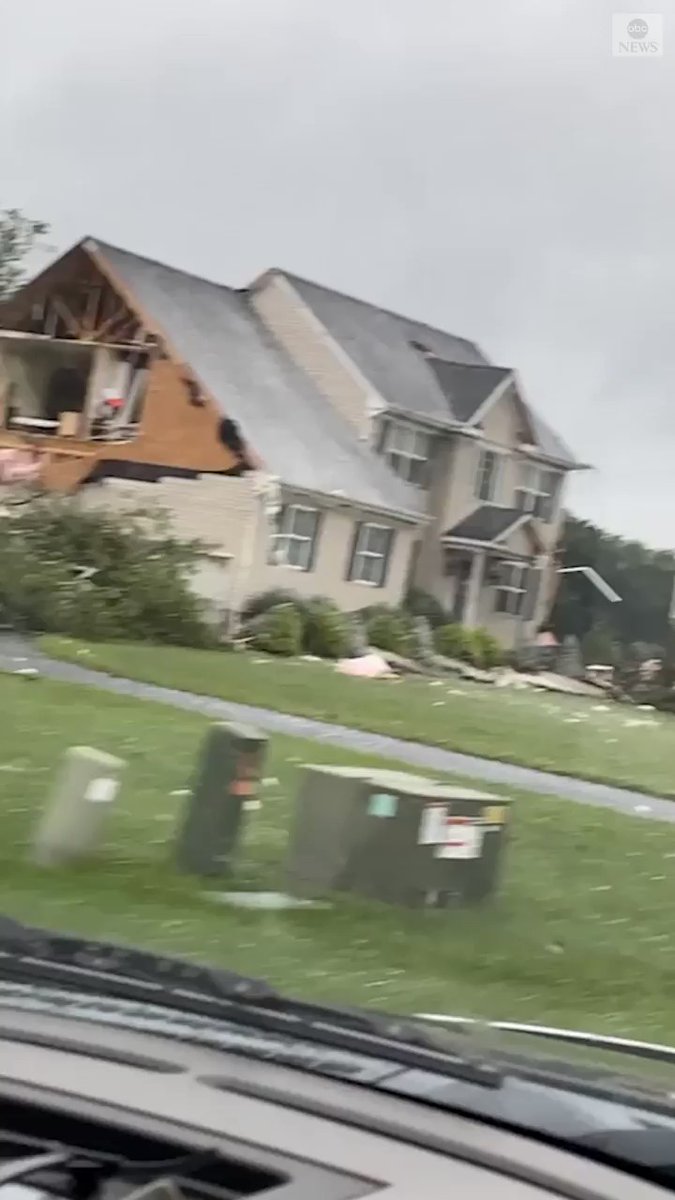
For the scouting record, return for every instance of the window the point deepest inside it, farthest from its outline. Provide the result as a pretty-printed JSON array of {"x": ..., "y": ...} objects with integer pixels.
[
  {"x": 407, "y": 450},
  {"x": 371, "y": 554},
  {"x": 511, "y": 590},
  {"x": 294, "y": 543},
  {"x": 538, "y": 491},
  {"x": 486, "y": 479},
  {"x": 549, "y": 485}
]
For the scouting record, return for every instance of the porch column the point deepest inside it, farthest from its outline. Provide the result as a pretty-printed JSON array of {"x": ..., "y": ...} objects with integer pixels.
[{"x": 473, "y": 590}]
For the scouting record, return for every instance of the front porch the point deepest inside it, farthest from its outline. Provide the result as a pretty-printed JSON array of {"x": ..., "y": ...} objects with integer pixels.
[{"x": 492, "y": 587}]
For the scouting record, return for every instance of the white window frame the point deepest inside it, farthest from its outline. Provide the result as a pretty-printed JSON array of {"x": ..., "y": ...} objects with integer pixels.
[
  {"x": 534, "y": 494},
  {"x": 361, "y": 555},
  {"x": 287, "y": 545},
  {"x": 407, "y": 449},
  {"x": 495, "y": 478},
  {"x": 514, "y": 592}
]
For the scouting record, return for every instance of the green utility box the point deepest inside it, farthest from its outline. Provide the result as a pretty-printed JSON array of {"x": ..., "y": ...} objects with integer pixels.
[
  {"x": 226, "y": 785},
  {"x": 394, "y": 837}
]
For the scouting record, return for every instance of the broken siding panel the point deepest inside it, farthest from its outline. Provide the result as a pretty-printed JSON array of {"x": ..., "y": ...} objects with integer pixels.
[
  {"x": 312, "y": 349},
  {"x": 174, "y": 431}
]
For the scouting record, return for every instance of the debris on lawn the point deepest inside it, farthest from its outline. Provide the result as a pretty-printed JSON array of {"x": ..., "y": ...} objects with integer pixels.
[{"x": 367, "y": 666}]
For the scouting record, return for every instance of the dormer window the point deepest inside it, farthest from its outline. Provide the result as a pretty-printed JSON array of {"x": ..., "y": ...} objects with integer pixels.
[{"x": 407, "y": 449}]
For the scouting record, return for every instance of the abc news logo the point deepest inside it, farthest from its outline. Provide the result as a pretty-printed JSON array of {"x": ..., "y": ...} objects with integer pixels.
[{"x": 637, "y": 36}]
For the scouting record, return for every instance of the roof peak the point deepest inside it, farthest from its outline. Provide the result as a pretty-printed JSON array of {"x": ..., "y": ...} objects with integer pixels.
[
  {"x": 390, "y": 312},
  {"x": 103, "y": 245}
]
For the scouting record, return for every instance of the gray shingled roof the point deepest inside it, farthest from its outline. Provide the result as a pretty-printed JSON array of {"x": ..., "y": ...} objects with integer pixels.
[
  {"x": 298, "y": 435},
  {"x": 485, "y": 524},
  {"x": 379, "y": 343},
  {"x": 466, "y": 387},
  {"x": 382, "y": 345}
]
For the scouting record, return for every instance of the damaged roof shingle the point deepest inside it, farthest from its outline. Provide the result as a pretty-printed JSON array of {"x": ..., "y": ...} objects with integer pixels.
[{"x": 298, "y": 435}]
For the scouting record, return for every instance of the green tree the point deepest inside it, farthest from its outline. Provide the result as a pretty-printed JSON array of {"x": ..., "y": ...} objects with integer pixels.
[
  {"x": 18, "y": 237},
  {"x": 642, "y": 577}
]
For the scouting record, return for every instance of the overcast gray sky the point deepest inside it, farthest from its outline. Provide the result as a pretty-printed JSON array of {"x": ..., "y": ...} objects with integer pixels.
[{"x": 487, "y": 166}]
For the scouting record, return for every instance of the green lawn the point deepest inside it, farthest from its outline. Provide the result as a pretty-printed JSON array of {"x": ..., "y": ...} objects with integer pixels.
[
  {"x": 582, "y": 934},
  {"x": 587, "y": 738}
]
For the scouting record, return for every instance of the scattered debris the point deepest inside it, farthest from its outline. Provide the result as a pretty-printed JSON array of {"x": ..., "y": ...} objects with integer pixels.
[
  {"x": 398, "y": 663},
  {"x": 367, "y": 666}
]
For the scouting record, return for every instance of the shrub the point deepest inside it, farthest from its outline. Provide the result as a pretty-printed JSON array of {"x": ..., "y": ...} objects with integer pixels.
[
  {"x": 389, "y": 629},
  {"x": 486, "y": 650},
  {"x": 326, "y": 631},
  {"x": 89, "y": 573},
  {"x": 281, "y": 632},
  {"x": 261, "y": 603},
  {"x": 422, "y": 604},
  {"x": 475, "y": 646},
  {"x": 454, "y": 641}
]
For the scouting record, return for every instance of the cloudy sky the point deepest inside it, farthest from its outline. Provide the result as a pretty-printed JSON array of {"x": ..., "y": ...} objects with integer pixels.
[{"x": 487, "y": 166}]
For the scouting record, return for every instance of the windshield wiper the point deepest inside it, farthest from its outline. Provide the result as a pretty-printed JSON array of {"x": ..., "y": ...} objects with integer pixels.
[{"x": 125, "y": 972}]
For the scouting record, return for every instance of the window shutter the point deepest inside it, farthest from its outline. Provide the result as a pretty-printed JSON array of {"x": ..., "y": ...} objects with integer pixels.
[
  {"x": 275, "y": 526},
  {"x": 391, "y": 537},
  {"x": 352, "y": 553},
  {"x": 318, "y": 523},
  {"x": 532, "y": 584},
  {"x": 382, "y": 435}
]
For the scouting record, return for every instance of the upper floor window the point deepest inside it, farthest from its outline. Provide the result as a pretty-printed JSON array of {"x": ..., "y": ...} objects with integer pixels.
[
  {"x": 538, "y": 491},
  {"x": 294, "y": 543},
  {"x": 407, "y": 451},
  {"x": 371, "y": 554},
  {"x": 486, "y": 477}
]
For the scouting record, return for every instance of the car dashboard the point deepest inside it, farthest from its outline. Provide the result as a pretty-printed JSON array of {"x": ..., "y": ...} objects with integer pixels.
[{"x": 92, "y": 1112}]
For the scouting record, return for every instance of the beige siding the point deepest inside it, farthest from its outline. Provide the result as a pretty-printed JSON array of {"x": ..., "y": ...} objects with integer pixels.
[
  {"x": 228, "y": 514},
  {"x": 328, "y": 577},
  {"x": 430, "y": 573},
  {"x": 313, "y": 349},
  {"x": 219, "y": 511}
]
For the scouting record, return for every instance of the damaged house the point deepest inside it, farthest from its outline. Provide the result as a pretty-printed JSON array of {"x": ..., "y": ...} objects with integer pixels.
[{"x": 314, "y": 441}]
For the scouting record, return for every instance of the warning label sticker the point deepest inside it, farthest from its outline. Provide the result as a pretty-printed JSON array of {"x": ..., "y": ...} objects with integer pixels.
[
  {"x": 453, "y": 836},
  {"x": 463, "y": 839}
]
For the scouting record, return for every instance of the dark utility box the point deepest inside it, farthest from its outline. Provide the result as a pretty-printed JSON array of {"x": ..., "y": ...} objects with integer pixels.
[
  {"x": 394, "y": 837},
  {"x": 226, "y": 785}
]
